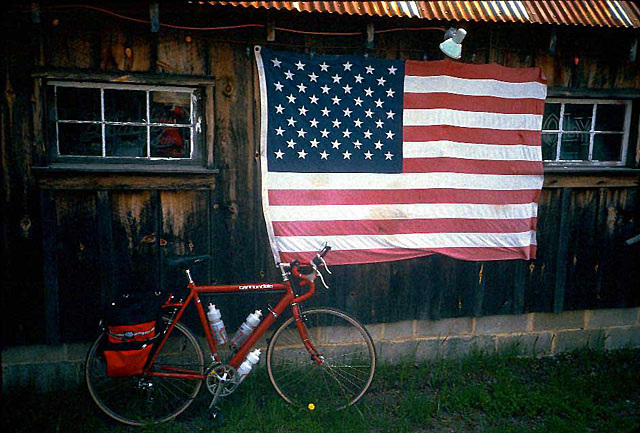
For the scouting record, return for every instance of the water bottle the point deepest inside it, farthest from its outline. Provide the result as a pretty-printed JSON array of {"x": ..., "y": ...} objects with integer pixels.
[
  {"x": 217, "y": 326},
  {"x": 245, "y": 368},
  {"x": 245, "y": 329}
]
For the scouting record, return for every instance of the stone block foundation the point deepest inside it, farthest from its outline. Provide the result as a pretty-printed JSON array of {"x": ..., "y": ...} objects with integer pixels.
[{"x": 49, "y": 368}]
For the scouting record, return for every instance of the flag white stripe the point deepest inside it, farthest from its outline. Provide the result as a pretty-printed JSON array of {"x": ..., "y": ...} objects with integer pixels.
[
  {"x": 453, "y": 149},
  {"x": 319, "y": 181},
  {"x": 471, "y": 119},
  {"x": 474, "y": 87},
  {"x": 403, "y": 211},
  {"x": 410, "y": 241}
]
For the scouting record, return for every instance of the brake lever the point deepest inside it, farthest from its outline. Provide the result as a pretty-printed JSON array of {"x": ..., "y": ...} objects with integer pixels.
[
  {"x": 319, "y": 274},
  {"x": 325, "y": 264}
]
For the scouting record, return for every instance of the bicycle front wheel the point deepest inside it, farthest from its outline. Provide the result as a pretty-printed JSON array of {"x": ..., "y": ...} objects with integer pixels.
[
  {"x": 335, "y": 379},
  {"x": 141, "y": 400}
]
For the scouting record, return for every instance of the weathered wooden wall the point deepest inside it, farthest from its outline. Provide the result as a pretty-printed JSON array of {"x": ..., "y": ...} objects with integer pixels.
[{"x": 70, "y": 239}]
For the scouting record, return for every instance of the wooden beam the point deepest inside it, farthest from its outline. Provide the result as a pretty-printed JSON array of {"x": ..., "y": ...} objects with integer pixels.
[
  {"x": 50, "y": 267},
  {"x": 593, "y": 179},
  {"x": 562, "y": 247},
  {"x": 120, "y": 77}
]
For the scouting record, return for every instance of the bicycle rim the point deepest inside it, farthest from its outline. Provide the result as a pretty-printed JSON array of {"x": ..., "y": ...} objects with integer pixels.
[
  {"x": 346, "y": 368},
  {"x": 139, "y": 400}
]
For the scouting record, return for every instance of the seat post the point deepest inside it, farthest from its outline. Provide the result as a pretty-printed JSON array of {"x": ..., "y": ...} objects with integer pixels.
[{"x": 188, "y": 272}]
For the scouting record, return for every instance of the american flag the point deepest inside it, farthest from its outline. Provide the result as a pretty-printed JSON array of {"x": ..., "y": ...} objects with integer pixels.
[{"x": 388, "y": 159}]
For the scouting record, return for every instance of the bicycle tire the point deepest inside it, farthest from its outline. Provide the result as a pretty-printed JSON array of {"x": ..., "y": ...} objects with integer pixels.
[
  {"x": 344, "y": 375},
  {"x": 143, "y": 400}
]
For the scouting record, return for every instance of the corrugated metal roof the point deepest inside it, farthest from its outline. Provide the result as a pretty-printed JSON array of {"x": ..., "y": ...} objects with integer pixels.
[{"x": 597, "y": 13}]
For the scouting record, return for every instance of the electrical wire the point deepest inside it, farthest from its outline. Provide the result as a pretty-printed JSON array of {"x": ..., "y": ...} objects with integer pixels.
[{"x": 239, "y": 26}]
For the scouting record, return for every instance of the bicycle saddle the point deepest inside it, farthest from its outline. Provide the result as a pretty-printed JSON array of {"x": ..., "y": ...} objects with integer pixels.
[{"x": 186, "y": 262}]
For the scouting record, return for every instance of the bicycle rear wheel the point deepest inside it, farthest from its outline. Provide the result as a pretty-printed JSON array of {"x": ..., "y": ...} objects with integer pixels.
[
  {"x": 345, "y": 370},
  {"x": 141, "y": 400}
]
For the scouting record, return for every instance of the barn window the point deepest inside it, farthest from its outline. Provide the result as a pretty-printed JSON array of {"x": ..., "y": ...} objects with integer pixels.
[
  {"x": 586, "y": 131},
  {"x": 123, "y": 122}
]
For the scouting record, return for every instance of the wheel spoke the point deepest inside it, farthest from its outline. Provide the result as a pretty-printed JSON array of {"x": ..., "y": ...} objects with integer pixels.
[
  {"x": 139, "y": 400},
  {"x": 345, "y": 374}
]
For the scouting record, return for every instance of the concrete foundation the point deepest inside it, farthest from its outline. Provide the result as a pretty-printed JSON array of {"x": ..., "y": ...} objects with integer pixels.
[{"x": 49, "y": 368}]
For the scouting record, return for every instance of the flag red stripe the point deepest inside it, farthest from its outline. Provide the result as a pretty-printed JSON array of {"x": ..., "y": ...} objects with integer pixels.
[
  {"x": 388, "y": 227},
  {"x": 473, "y": 71},
  {"x": 473, "y": 103},
  {"x": 387, "y": 255},
  {"x": 471, "y": 166},
  {"x": 470, "y": 135},
  {"x": 404, "y": 196}
]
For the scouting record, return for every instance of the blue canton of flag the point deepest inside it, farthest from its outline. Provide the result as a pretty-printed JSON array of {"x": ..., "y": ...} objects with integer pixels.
[{"x": 333, "y": 113}]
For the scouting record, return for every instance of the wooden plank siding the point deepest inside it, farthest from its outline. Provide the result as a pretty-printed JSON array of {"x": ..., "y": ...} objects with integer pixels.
[{"x": 74, "y": 237}]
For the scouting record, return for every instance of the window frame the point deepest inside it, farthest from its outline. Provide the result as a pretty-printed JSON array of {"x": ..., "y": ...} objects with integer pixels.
[
  {"x": 197, "y": 114},
  {"x": 594, "y": 102}
]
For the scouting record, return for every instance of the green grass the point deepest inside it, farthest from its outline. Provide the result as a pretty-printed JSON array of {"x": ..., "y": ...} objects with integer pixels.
[{"x": 584, "y": 391}]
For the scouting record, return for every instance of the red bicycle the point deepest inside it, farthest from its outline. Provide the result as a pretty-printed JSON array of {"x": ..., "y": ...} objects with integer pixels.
[{"x": 319, "y": 358}]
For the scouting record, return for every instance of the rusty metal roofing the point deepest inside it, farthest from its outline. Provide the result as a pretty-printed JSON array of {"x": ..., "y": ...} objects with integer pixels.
[{"x": 596, "y": 13}]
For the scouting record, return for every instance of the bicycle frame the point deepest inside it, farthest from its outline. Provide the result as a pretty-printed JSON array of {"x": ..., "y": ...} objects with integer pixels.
[{"x": 289, "y": 298}]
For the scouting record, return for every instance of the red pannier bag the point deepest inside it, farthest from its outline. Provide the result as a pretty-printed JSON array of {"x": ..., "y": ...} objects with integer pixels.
[{"x": 130, "y": 325}]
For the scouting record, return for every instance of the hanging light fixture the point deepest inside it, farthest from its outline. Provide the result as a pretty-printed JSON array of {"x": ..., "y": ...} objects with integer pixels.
[{"x": 452, "y": 45}]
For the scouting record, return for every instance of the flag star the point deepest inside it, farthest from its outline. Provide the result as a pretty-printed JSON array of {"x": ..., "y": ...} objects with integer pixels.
[
  {"x": 325, "y": 111},
  {"x": 368, "y": 134},
  {"x": 276, "y": 62},
  {"x": 346, "y": 155},
  {"x": 347, "y": 66},
  {"x": 336, "y": 78},
  {"x": 313, "y": 77},
  {"x": 313, "y": 99},
  {"x": 302, "y": 154},
  {"x": 279, "y": 154},
  {"x": 336, "y": 100},
  {"x": 303, "y": 111},
  {"x": 291, "y": 143},
  {"x": 279, "y": 86},
  {"x": 300, "y": 65},
  {"x": 291, "y": 121},
  {"x": 390, "y": 114},
  {"x": 357, "y": 144},
  {"x": 324, "y": 155},
  {"x": 279, "y": 131},
  {"x": 368, "y": 91},
  {"x": 346, "y": 133},
  {"x": 392, "y": 70},
  {"x": 324, "y": 67},
  {"x": 379, "y": 123},
  {"x": 381, "y": 81},
  {"x": 336, "y": 144},
  {"x": 358, "y": 78},
  {"x": 368, "y": 155},
  {"x": 390, "y": 135},
  {"x": 368, "y": 112},
  {"x": 388, "y": 156},
  {"x": 370, "y": 69},
  {"x": 279, "y": 108},
  {"x": 325, "y": 89},
  {"x": 390, "y": 93},
  {"x": 358, "y": 123},
  {"x": 301, "y": 132},
  {"x": 314, "y": 143},
  {"x": 378, "y": 144},
  {"x": 358, "y": 101},
  {"x": 289, "y": 75},
  {"x": 379, "y": 103},
  {"x": 347, "y": 88},
  {"x": 301, "y": 88},
  {"x": 314, "y": 122},
  {"x": 336, "y": 123},
  {"x": 347, "y": 112},
  {"x": 325, "y": 133},
  {"x": 291, "y": 99}
]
